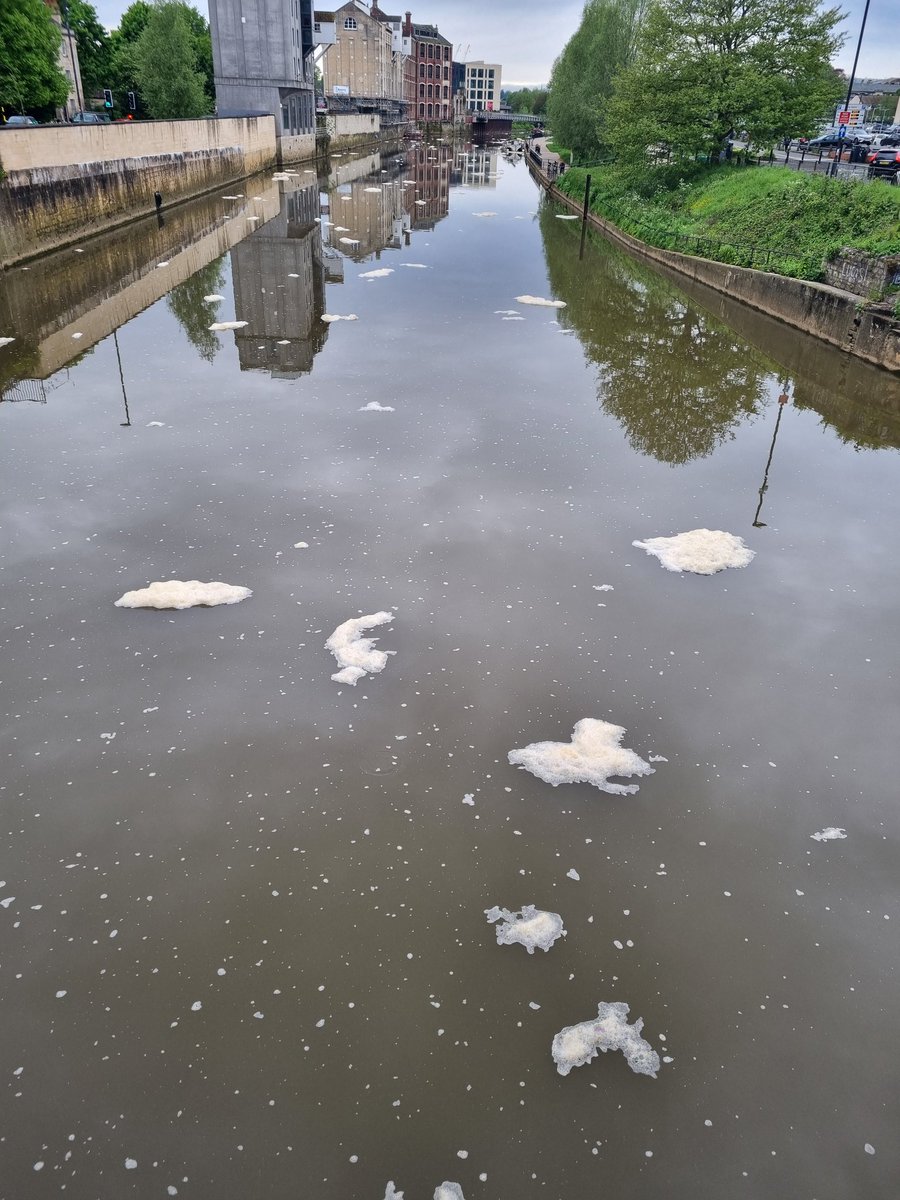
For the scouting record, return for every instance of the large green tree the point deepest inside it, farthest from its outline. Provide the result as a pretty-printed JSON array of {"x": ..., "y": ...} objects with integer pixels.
[
  {"x": 705, "y": 69},
  {"x": 123, "y": 71},
  {"x": 30, "y": 76},
  {"x": 583, "y": 75},
  {"x": 166, "y": 64}
]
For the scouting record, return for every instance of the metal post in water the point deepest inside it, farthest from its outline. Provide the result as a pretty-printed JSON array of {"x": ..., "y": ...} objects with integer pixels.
[{"x": 584, "y": 215}]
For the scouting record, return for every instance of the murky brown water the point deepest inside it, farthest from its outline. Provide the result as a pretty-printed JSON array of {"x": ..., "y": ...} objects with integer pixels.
[{"x": 243, "y": 941}]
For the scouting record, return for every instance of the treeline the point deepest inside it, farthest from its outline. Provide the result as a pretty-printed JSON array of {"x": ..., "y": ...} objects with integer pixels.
[
  {"x": 528, "y": 100},
  {"x": 687, "y": 76},
  {"x": 161, "y": 53}
]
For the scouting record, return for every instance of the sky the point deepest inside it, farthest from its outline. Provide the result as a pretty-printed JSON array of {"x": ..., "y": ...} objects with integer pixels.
[{"x": 525, "y": 36}]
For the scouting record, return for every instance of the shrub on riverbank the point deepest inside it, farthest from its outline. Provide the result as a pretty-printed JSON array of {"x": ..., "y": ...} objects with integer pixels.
[{"x": 786, "y": 221}]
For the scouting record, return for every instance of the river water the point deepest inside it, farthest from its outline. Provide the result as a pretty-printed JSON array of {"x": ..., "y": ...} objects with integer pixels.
[{"x": 244, "y": 951}]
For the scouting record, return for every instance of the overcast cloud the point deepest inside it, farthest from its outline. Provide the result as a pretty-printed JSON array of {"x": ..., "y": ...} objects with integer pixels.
[{"x": 525, "y": 36}]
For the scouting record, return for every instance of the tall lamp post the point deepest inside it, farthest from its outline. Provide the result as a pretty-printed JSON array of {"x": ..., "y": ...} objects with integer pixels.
[{"x": 862, "y": 30}]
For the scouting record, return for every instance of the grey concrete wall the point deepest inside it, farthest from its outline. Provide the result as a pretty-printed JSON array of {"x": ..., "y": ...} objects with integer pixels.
[
  {"x": 829, "y": 313},
  {"x": 65, "y": 186}
]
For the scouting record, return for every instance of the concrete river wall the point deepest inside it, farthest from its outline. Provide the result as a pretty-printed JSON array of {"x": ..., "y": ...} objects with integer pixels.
[
  {"x": 64, "y": 182},
  {"x": 836, "y": 316}
]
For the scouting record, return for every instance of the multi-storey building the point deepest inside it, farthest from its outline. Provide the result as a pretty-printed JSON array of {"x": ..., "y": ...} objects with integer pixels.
[
  {"x": 482, "y": 86},
  {"x": 68, "y": 60},
  {"x": 364, "y": 61},
  {"x": 432, "y": 55},
  {"x": 262, "y": 61}
]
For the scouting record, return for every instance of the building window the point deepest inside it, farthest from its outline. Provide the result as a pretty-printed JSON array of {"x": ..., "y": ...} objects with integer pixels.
[
  {"x": 421, "y": 110},
  {"x": 317, "y": 28},
  {"x": 490, "y": 74},
  {"x": 430, "y": 50},
  {"x": 350, "y": 23},
  {"x": 422, "y": 90},
  {"x": 431, "y": 110},
  {"x": 421, "y": 70}
]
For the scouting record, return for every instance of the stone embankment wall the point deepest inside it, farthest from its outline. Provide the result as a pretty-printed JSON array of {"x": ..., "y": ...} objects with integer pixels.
[
  {"x": 360, "y": 131},
  {"x": 830, "y": 313},
  {"x": 65, "y": 182}
]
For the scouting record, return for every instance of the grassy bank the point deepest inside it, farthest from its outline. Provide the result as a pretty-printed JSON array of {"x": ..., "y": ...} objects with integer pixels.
[{"x": 786, "y": 221}]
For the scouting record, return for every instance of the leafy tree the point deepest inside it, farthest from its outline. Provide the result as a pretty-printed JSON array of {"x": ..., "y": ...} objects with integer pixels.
[
  {"x": 122, "y": 70},
  {"x": 528, "y": 100},
  {"x": 583, "y": 75},
  {"x": 194, "y": 314},
  {"x": 93, "y": 44},
  {"x": 706, "y": 69},
  {"x": 166, "y": 64},
  {"x": 203, "y": 51},
  {"x": 30, "y": 76}
]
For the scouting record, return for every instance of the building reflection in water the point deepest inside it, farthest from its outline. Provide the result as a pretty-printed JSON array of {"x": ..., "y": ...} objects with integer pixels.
[
  {"x": 475, "y": 167},
  {"x": 278, "y": 275}
]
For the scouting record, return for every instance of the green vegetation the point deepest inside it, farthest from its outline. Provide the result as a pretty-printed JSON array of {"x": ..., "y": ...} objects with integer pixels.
[
  {"x": 194, "y": 314},
  {"x": 706, "y": 70},
  {"x": 584, "y": 74},
  {"x": 786, "y": 221},
  {"x": 165, "y": 60},
  {"x": 563, "y": 153},
  {"x": 528, "y": 100},
  {"x": 30, "y": 78},
  {"x": 92, "y": 41}
]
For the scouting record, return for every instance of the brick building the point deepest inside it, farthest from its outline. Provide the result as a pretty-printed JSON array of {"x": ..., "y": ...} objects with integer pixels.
[{"x": 431, "y": 98}]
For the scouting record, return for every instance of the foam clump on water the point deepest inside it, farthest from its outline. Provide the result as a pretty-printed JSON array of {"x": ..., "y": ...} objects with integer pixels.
[
  {"x": 381, "y": 273},
  {"x": 594, "y": 754},
  {"x": 329, "y": 317},
  {"x": 577, "y": 1045},
  {"x": 177, "y": 593},
  {"x": 374, "y": 406},
  {"x": 4, "y": 341},
  {"x": 448, "y": 1191},
  {"x": 219, "y": 326},
  {"x": 701, "y": 551},
  {"x": 355, "y": 654},
  {"x": 830, "y": 834},
  {"x": 532, "y": 927},
  {"x": 391, "y": 1193},
  {"x": 539, "y": 300}
]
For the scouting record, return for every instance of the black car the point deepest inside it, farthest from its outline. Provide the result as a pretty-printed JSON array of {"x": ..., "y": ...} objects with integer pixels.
[
  {"x": 832, "y": 140},
  {"x": 884, "y": 163}
]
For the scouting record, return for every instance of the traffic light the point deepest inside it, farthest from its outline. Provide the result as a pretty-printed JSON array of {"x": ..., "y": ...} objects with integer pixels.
[
  {"x": 132, "y": 102},
  {"x": 107, "y": 98}
]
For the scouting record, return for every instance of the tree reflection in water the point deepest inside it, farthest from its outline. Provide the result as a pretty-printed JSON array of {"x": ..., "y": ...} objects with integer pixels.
[
  {"x": 679, "y": 381},
  {"x": 193, "y": 313}
]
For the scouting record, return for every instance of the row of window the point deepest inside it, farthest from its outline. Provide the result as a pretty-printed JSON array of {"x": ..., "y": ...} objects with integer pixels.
[
  {"x": 431, "y": 51},
  {"x": 436, "y": 92},
  {"x": 478, "y": 73},
  {"x": 436, "y": 111},
  {"x": 433, "y": 72}
]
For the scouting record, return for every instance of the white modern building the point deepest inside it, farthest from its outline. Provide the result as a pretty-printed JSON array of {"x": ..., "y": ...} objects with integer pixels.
[{"x": 483, "y": 86}]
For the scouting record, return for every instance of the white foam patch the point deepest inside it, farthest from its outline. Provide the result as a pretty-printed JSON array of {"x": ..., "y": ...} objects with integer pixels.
[
  {"x": 700, "y": 551},
  {"x": 217, "y": 326},
  {"x": 603, "y": 587},
  {"x": 531, "y": 927},
  {"x": 4, "y": 341},
  {"x": 374, "y": 406},
  {"x": 372, "y": 189},
  {"x": 539, "y": 300},
  {"x": 349, "y": 241},
  {"x": 177, "y": 593},
  {"x": 329, "y": 317},
  {"x": 156, "y": 424},
  {"x": 379, "y": 274},
  {"x": 416, "y": 266},
  {"x": 391, "y": 1193},
  {"x": 301, "y": 545},
  {"x": 469, "y": 799},
  {"x": 355, "y": 654},
  {"x": 577, "y": 1045},
  {"x": 484, "y": 214},
  {"x": 448, "y": 1191},
  {"x": 76, "y": 336},
  {"x": 506, "y": 312},
  {"x": 830, "y": 834},
  {"x": 594, "y": 754}
]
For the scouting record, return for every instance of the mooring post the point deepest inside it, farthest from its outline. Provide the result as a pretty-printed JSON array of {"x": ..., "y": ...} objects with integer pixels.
[{"x": 584, "y": 215}]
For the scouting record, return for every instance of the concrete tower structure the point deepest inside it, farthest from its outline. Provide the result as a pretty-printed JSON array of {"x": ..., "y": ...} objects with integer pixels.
[{"x": 262, "y": 61}]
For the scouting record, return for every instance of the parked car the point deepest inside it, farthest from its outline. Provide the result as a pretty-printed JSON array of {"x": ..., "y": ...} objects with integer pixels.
[
  {"x": 17, "y": 122},
  {"x": 884, "y": 163},
  {"x": 832, "y": 140},
  {"x": 90, "y": 118}
]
